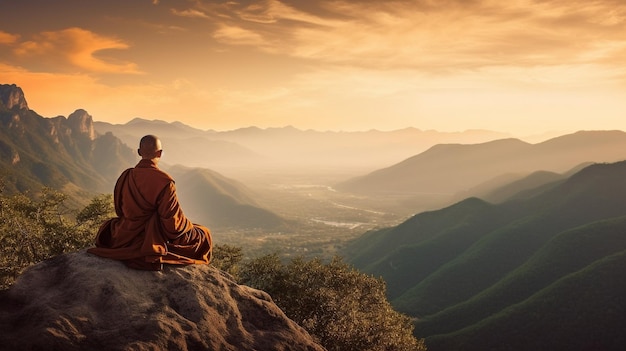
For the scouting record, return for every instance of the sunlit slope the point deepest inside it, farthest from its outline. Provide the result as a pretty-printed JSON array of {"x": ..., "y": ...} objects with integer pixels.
[
  {"x": 441, "y": 258},
  {"x": 448, "y": 169},
  {"x": 210, "y": 198},
  {"x": 525, "y": 187},
  {"x": 57, "y": 152}
]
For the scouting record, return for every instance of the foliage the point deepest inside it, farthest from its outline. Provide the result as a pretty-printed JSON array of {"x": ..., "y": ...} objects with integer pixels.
[
  {"x": 567, "y": 253},
  {"x": 227, "y": 258},
  {"x": 345, "y": 309},
  {"x": 100, "y": 208},
  {"x": 34, "y": 228},
  {"x": 584, "y": 310}
]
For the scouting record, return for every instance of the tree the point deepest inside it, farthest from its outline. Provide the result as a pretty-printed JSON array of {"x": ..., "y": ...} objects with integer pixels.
[
  {"x": 34, "y": 228},
  {"x": 345, "y": 309}
]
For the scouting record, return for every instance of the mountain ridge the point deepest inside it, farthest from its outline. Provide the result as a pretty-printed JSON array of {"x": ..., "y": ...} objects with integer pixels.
[
  {"x": 69, "y": 155},
  {"x": 471, "y": 271},
  {"x": 288, "y": 147},
  {"x": 447, "y": 173},
  {"x": 28, "y": 140}
]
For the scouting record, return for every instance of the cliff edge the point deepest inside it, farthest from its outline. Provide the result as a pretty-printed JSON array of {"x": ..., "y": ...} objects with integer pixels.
[{"x": 79, "y": 301}]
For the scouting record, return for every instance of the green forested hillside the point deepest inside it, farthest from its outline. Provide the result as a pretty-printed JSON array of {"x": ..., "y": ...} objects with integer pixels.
[
  {"x": 565, "y": 254},
  {"x": 456, "y": 267},
  {"x": 584, "y": 310}
]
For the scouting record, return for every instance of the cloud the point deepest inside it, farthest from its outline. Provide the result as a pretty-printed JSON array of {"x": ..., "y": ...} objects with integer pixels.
[
  {"x": 191, "y": 13},
  {"x": 8, "y": 38},
  {"x": 436, "y": 36},
  {"x": 74, "y": 48},
  {"x": 239, "y": 36}
]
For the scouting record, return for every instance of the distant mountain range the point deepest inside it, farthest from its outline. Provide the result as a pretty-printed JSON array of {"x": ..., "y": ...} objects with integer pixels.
[
  {"x": 446, "y": 173},
  {"x": 184, "y": 145},
  {"x": 68, "y": 154},
  {"x": 540, "y": 271},
  {"x": 288, "y": 148}
]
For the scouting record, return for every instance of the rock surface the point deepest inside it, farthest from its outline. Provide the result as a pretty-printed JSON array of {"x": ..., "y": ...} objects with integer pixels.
[{"x": 79, "y": 301}]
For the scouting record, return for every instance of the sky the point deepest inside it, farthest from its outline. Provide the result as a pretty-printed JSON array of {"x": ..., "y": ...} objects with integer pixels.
[{"x": 518, "y": 66}]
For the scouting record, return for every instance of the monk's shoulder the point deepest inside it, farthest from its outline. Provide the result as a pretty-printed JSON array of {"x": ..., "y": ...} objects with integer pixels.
[
  {"x": 159, "y": 175},
  {"x": 153, "y": 175}
]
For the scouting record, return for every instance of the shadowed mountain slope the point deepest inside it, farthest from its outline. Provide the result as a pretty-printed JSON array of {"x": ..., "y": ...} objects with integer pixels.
[
  {"x": 584, "y": 310},
  {"x": 567, "y": 253}
]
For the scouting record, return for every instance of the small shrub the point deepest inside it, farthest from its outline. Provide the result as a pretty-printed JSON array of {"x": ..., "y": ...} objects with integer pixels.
[{"x": 227, "y": 258}]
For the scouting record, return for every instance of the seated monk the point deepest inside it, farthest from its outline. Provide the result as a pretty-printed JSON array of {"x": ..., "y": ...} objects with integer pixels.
[{"x": 150, "y": 228}]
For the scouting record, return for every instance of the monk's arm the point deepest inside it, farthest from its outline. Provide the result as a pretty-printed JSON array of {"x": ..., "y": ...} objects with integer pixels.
[{"x": 174, "y": 221}]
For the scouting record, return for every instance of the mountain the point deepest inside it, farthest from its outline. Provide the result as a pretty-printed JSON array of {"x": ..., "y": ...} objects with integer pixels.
[
  {"x": 448, "y": 170},
  {"x": 287, "y": 148},
  {"x": 516, "y": 275},
  {"x": 219, "y": 202},
  {"x": 79, "y": 301},
  {"x": 185, "y": 145},
  {"x": 56, "y": 152},
  {"x": 68, "y": 154},
  {"x": 575, "y": 258}
]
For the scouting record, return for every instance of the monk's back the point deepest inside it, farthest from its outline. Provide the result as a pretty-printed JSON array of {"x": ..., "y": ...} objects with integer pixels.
[{"x": 149, "y": 181}]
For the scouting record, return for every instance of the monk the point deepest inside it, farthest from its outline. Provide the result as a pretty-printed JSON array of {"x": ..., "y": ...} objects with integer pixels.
[{"x": 150, "y": 228}]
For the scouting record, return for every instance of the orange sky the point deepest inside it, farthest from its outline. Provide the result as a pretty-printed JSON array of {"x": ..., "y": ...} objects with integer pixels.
[{"x": 520, "y": 66}]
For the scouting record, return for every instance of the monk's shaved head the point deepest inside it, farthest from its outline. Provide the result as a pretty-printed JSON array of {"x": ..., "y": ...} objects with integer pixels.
[{"x": 149, "y": 147}]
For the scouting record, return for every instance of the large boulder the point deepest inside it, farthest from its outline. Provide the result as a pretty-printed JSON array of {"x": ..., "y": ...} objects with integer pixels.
[{"x": 79, "y": 301}]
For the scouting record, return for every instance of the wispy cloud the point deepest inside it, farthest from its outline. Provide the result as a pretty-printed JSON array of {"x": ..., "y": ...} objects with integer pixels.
[
  {"x": 74, "y": 48},
  {"x": 8, "y": 38},
  {"x": 235, "y": 35},
  {"x": 191, "y": 13},
  {"x": 431, "y": 35}
]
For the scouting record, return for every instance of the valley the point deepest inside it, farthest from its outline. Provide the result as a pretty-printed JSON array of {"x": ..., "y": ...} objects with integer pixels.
[{"x": 319, "y": 219}]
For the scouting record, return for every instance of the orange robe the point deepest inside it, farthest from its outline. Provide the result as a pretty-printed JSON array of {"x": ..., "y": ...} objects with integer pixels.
[{"x": 150, "y": 228}]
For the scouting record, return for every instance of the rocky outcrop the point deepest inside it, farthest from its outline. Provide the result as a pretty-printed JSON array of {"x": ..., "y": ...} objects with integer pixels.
[
  {"x": 12, "y": 96},
  {"x": 82, "y": 302},
  {"x": 81, "y": 123}
]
